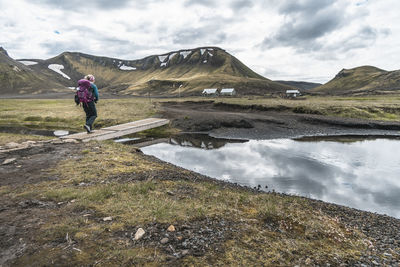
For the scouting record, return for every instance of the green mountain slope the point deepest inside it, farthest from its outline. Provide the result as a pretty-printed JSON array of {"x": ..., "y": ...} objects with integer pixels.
[
  {"x": 186, "y": 72},
  {"x": 361, "y": 80},
  {"x": 300, "y": 85},
  {"x": 16, "y": 78}
]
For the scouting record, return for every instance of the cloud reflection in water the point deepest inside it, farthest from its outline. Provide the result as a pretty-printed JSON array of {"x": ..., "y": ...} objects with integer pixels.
[{"x": 363, "y": 174}]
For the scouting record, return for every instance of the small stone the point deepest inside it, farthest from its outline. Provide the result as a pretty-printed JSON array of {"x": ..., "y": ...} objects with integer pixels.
[
  {"x": 179, "y": 238},
  {"x": 8, "y": 161},
  {"x": 57, "y": 142},
  {"x": 139, "y": 233},
  {"x": 185, "y": 252},
  {"x": 107, "y": 219},
  {"x": 171, "y": 228},
  {"x": 29, "y": 142},
  {"x": 12, "y": 145},
  {"x": 73, "y": 201},
  {"x": 73, "y": 141},
  {"x": 164, "y": 240}
]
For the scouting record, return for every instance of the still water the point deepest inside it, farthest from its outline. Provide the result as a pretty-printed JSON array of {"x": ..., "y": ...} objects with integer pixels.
[{"x": 363, "y": 174}]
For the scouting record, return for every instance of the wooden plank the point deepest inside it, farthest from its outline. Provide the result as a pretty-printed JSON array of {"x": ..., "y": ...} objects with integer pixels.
[
  {"x": 114, "y": 134},
  {"x": 85, "y": 135},
  {"x": 119, "y": 130},
  {"x": 131, "y": 124}
]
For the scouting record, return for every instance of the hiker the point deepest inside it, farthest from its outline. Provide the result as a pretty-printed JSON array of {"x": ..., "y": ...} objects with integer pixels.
[{"x": 88, "y": 95}]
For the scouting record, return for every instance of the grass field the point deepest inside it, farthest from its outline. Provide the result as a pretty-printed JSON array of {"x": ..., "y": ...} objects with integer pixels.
[
  {"x": 370, "y": 107},
  {"x": 64, "y": 114}
]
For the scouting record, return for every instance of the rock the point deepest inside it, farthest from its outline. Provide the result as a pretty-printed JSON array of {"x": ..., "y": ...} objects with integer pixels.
[
  {"x": 8, "y": 161},
  {"x": 57, "y": 141},
  {"x": 73, "y": 141},
  {"x": 171, "y": 228},
  {"x": 107, "y": 219},
  {"x": 185, "y": 252},
  {"x": 60, "y": 133},
  {"x": 139, "y": 233},
  {"x": 164, "y": 240},
  {"x": 12, "y": 145},
  {"x": 29, "y": 142}
]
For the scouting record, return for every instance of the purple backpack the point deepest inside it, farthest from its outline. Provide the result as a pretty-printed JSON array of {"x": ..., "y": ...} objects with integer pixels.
[{"x": 84, "y": 93}]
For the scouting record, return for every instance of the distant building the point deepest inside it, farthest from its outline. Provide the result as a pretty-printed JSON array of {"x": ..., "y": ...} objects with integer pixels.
[
  {"x": 210, "y": 92},
  {"x": 228, "y": 91},
  {"x": 292, "y": 93}
]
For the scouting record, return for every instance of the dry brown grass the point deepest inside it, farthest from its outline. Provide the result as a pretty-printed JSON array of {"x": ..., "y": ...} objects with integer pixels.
[{"x": 272, "y": 229}]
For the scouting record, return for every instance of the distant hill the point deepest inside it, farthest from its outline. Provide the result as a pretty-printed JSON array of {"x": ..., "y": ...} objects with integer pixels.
[
  {"x": 186, "y": 72},
  {"x": 17, "y": 78},
  {"x": 300, "y": 85},
  {"x": 361, "y": 80}
]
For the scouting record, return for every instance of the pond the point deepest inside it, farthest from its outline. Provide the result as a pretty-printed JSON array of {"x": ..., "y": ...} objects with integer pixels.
[{"x": 359, "y": 173}]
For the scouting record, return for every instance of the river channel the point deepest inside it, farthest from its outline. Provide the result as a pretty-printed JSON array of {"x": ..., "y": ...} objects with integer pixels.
[{"x": 362, "y": 173}]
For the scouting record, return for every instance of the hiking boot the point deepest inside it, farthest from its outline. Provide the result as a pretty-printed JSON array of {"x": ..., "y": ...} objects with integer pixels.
[{"x": 87, "y": 128}]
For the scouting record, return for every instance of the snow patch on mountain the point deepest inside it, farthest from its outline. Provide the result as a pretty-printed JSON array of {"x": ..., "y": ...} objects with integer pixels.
[
  {"x": 162, "y": 58},
  {"x": 171, "y": 56},
  {"x": 27, "y": 62},
  {"x": 124, "y": 67},
  {"x": 57, "y": 68},
  {"x": 185, "y": 53}
]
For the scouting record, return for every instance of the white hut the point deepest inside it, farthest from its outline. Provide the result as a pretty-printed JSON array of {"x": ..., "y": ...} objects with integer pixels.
[
  {"x": 292, "y": 93},
  {"x": 228, "y": 91},
  {"x": 210, "y": 92}
]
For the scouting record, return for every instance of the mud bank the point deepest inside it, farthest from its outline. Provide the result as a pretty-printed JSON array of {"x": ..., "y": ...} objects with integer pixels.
[{"x": 258, "y": 122}]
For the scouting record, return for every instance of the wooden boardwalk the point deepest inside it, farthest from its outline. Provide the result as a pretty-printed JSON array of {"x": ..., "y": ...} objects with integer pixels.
[{"x": 118, "y": 130}]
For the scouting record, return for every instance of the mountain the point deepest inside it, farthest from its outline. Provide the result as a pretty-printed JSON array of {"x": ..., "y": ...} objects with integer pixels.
[
  {"x": 300, "y": 85},
  {"x": 17, "y": 78},
  {"x": 185, "y": 72},
  {"x": 361, "y": 80}
]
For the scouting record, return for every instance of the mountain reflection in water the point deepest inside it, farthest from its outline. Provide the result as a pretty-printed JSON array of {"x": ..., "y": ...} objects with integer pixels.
[{"x": 360, "y": 174}]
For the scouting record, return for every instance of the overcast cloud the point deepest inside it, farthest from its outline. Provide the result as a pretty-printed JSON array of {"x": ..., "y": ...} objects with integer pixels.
[{"x": 308, "y": 40}]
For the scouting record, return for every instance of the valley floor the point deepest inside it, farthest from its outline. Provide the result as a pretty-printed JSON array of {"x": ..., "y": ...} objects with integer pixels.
[
  {"x": 67, "y": 203},
  {"x": 259, "y": 122}
]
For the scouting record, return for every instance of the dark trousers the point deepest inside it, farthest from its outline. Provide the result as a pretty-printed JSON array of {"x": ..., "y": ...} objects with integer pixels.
[{"x": 91, "y": 113}]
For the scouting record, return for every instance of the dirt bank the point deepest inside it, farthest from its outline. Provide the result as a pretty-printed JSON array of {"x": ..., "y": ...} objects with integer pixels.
[{"x": 258, "y": 122}]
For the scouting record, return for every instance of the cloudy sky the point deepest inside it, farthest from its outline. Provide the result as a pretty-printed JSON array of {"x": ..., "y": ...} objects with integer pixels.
[{"x": 309, "y": 40}]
